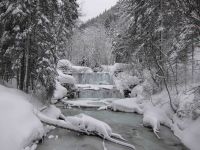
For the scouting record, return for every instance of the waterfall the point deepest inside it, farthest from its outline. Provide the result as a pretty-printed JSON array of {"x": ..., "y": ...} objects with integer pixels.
[{"x": 96, "y": 85}]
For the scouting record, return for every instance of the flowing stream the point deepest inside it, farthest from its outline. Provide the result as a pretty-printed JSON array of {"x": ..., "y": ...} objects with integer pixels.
[{"x": 129, "y": 125}]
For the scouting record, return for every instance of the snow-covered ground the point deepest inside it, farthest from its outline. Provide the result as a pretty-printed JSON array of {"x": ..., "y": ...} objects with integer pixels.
[{"x": 18, "y": 124}]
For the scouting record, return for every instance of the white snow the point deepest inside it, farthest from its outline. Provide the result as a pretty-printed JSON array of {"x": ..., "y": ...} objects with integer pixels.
[
  {"x": 50, "y": 137},
  {"x": 18, "y": 124},
  {"x": 60, "y": 91},
  {"x": 68, "y": 67},
  {"x": 64, "y": 63},
  {"x": 52, "y": 112},
  {"x": 85, "y": 103},
  {"x": 126, "y": 105},
  {"x": 191, "y": 135},
  {"x": 64, "y": 78}
]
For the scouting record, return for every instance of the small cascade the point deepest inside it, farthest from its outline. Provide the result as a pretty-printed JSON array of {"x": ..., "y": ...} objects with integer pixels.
[
  {"x": 93, "y": 78},
  {"x": 96, "y": 85}
]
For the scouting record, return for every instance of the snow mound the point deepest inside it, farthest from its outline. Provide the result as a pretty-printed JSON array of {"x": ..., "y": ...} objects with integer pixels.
[
  {"x": 191, "y": 135},
  {"x": 90, "y": 125},
  {"x": 85, "y": 103},
  {"x": 126, "y": 105},
  {"x": 59, "y": 92},
  {"x": 18, "y": 124},
  {"x": 52, "y": 112},
  {"x": 125, "y": 81},
  {"x": 64, "y": 63},
  {"x": 68, "y": 67},
  {"x": 63, "y": 78}
]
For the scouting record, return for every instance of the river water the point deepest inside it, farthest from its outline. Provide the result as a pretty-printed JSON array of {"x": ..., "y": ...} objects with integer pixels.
[{"x": 129, "y": 125}]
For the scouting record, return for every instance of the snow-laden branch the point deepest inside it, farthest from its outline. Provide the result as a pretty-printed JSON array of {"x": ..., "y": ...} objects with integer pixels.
[{"x": 84, "y": 124}]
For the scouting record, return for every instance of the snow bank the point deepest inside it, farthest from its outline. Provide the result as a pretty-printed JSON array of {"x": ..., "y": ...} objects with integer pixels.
[
  {"x": 125, "y": 81},
  {"x": 52, "y": 112},
  {"x": 88, "y": 103},
  {"x": 64, "y": 78},
  {"x": 18, "y": 124},
  {"x": 126, "y": 105},
  {"x": 191, "y": 135},
  {"x": 60, "y": 91},
  {"x": 68, "y": 67},
  {"x": 154, "y": 116},
  {"x": 64, "y": 63}
]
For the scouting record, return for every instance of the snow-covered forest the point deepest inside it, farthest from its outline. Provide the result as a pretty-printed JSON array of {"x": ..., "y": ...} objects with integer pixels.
[{"x": 130, "y": 75}]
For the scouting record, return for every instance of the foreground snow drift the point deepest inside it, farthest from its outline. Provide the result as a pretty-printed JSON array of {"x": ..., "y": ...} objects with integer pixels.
[{"x": 18, "y": 124}]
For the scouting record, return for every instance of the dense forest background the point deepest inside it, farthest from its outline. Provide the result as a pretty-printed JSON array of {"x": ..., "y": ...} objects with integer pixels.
[{"x": 160, "y": 35}]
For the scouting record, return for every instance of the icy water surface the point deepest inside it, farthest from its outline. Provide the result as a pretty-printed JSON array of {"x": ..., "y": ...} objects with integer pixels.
[{"x": 126, "y": 124}]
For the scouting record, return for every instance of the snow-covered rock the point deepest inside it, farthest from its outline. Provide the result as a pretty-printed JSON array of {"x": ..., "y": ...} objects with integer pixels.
[
  {"x": 66, "y": 66},
  {"x": 64, "y": 63},
  {"x": 125, "y": 81},
  {"x": 85, "y": 103},
  {"x": 126, "y": 105},
  {"x": 60, "y": 91},
  {"x": 64, "y": 78},
  {"x": 154, "y": 116},
  {"x": 52, "y": 112}
]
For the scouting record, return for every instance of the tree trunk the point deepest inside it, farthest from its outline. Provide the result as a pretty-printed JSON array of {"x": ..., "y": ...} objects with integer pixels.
[
  {"x": 192, "y": 61},
  {"x": 27, "y": 64},
  {"x": 22, "y": 70}
]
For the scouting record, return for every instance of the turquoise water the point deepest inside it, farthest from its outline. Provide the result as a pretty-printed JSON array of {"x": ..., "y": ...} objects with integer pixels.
[{"x": 129, "y": 125}]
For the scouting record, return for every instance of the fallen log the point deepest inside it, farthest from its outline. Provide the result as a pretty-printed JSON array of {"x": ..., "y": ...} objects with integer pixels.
[{"x": 104, "y": 132}]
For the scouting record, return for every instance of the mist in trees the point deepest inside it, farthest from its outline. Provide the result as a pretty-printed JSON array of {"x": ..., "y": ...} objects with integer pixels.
[{"x": 91, "y": 45}]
